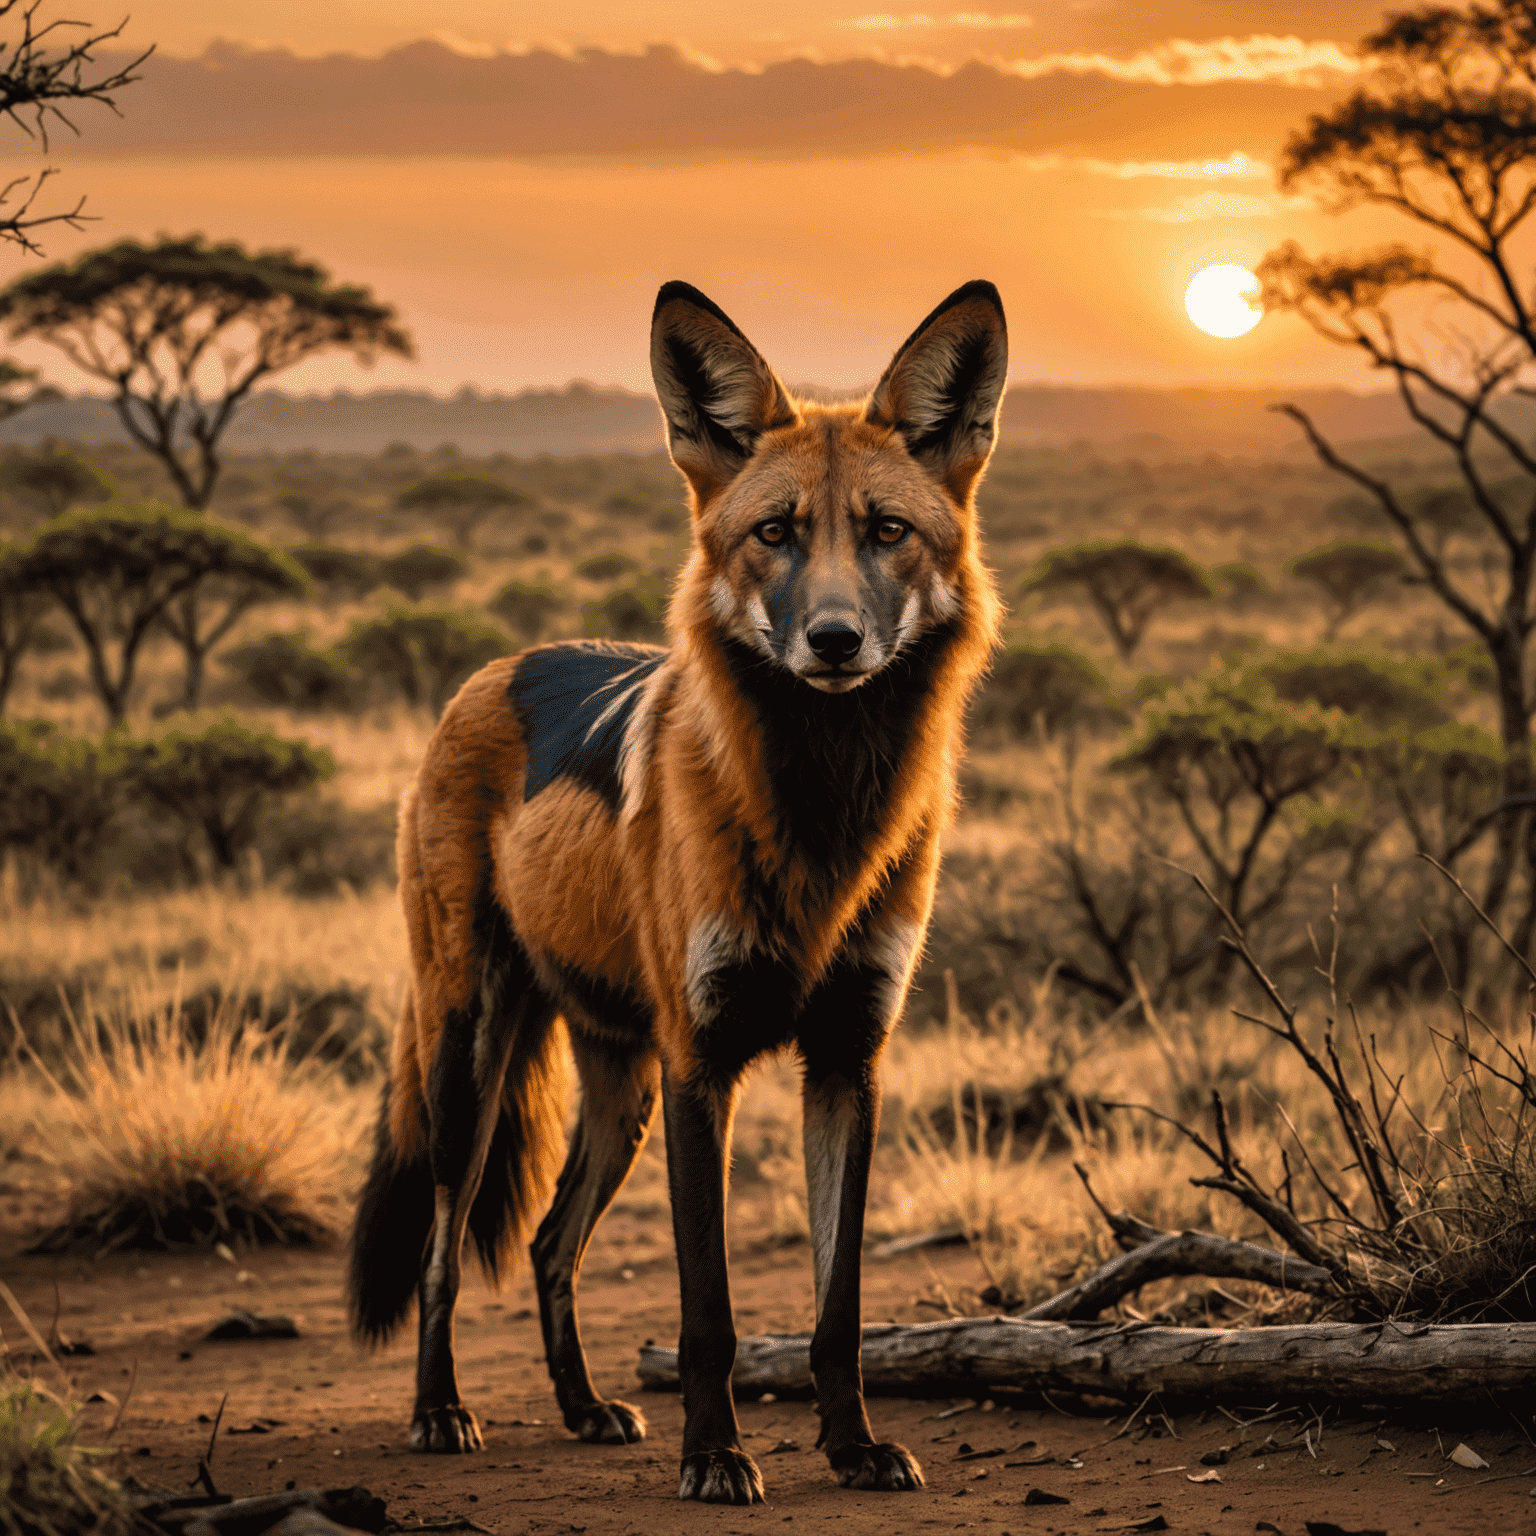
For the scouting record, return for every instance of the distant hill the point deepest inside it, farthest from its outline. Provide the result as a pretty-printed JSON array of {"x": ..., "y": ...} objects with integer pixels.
[{"x": 584, "y": 419}]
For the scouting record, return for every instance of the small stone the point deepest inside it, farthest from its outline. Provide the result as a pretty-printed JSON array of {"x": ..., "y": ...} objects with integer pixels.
[{"x": 1040, "y": 1496}]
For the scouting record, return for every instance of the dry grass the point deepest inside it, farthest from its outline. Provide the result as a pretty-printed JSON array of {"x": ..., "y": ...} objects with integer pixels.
[
  {"x": 165, "y": 1134},
  {"x": 160, "y": 943}
]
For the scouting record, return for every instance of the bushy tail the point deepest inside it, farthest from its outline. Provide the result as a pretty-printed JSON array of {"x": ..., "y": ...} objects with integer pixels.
[
  {"x": 396, "y": 1212},
  {"x": 389, "y": 1235}
]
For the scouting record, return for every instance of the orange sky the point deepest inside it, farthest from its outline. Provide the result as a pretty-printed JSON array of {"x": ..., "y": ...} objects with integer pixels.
[{"x": 1108, "y": 152}]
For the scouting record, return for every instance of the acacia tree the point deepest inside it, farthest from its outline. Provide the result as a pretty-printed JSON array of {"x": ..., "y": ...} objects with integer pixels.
[
  {"x": 239, "y": 574},
  {"x": 183, "y": 330},
  {"x": 1443, "y": 133},
  {"x": 117, "y": 571},
  {"x": 462, "y": 500},
  {"x": 54, "y": 479},
  {"x": 1126, "y": 582},
  {"x": 42, "y": 66},
  {"x": 1352, "y": 573}
]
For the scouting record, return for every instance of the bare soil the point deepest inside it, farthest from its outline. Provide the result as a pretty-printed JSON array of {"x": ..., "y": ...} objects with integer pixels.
[{"x": 318, "y": 1410}]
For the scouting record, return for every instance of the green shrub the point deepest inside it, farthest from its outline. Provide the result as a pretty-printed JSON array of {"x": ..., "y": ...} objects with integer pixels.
[
  {"x": 52, "y": 480},
  {"x": 316, "y": 847},
  {"x": 1050, "y": 687},
  {"x": 527, "y": 607},
  {"x": 60, "y": 794},
  {"x": 221, "y": 778},
  {"x": 424, "y": 654},
  {"x": 420, "y": 566},
  {"x": 284, "y": 670},
  {"x": 344, "y": 572},
  {"x": 608, "y": 566},
  {"x": 633, "y": 612}
]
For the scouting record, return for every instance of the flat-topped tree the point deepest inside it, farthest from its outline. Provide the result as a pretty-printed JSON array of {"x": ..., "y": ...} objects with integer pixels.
[
  {"x": 52, "y": 480},
  {"x": 1352, "y": 574},
  {"x": 1125, "y": 581},
  {"x": 460, "y": 500},
  {"x": 117, "y": 571},
  {"x": 182, "y": 330}
]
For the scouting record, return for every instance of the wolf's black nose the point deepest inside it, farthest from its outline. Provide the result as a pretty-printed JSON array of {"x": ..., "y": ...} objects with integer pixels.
[{"x": 835, "y": 642}]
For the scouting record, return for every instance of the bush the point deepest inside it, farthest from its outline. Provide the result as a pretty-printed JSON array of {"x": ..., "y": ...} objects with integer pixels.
[
  {"x": 607, "y": 566},
  {"x": 52, "y": 480},
  {"x": 1043, "y": 687},
  {"x": 424, "y": 654},
  {"x": 633, "y": 612},
  {"x": 285, "y": 671},
  {"x": 60, "y": 794},
  {"x": 461, "y": 500},
  {"x": 420, "y": 566},
  {"x": 316, "y": 847},
  {"x": 527, "y": 607},
  {"x": 345, "y": 572},
  {"x": 221, "y": 780},
  {"x": 196, "y": 1136}
]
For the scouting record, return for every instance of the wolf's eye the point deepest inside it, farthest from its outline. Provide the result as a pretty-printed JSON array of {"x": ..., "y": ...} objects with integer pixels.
[
  {"x": 774, "y": 531},
  {"x": 891, "y": 530}
]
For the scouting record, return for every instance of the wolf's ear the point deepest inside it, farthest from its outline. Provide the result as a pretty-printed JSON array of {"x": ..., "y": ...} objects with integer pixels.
[
  {"x": 943, "y": 387},
  {"x": 716, "y": 391}
]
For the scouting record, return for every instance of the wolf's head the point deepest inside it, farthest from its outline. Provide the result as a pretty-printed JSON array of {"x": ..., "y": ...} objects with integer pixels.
[{"x": 830, "y": 538}]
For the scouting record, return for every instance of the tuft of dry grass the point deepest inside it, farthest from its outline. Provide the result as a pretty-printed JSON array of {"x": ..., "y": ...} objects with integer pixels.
[{"x": 166, "y": 1133}]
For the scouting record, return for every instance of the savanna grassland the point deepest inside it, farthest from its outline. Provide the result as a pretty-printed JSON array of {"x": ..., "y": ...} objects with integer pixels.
[{"x": 1293, "y": 741}]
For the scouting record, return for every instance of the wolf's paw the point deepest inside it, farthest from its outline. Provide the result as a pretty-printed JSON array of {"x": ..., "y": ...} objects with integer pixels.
[
  {"x": 451, "y": 1430},
  {"x": 724, "y": 1476},
  {"x": 885, "y": 1468},
  {"x": 612, "y": 1423}
]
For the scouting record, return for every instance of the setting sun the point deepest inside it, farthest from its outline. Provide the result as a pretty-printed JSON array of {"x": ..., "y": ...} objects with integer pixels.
[{"x": 1221, "y": 300}]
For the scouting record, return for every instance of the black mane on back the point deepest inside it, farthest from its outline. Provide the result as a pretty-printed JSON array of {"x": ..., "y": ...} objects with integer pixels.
[{"x": 561, "y": 693}]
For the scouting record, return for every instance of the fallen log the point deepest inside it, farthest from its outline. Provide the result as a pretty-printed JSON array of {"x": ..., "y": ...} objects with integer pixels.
[
  {"x": 1179, "y": 1253},
  {"x": 971, "y": 1356}
]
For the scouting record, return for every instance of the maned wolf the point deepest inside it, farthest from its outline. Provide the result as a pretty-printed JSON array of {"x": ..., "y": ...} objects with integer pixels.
[{"x": 693, "y": 856}]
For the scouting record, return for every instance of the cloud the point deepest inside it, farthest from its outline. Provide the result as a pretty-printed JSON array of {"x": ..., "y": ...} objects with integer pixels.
[
  {"x": 974, "y": 21},
  {"x": 1257, "y": 59},
  {"x": 1197, "y": 207},
  {"x": 1237, "y": 166}
]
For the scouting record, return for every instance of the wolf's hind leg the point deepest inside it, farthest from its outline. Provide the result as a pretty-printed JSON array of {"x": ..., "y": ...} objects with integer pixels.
[
  {"x": 619, "y": 1089},
  {"x": 463, "y": 1096}
]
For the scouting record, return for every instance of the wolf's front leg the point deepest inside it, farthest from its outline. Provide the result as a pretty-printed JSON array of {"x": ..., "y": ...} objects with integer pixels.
[
  {"x": 842, "y": 1115},
  {"x": 715, "y": 1467}
]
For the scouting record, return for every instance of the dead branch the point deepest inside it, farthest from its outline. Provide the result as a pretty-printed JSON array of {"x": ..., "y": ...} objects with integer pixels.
[{"x": 1180, "y": 1253}]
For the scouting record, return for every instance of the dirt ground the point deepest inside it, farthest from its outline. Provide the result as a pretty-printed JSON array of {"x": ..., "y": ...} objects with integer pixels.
[{"x": 318, "y": 1410}]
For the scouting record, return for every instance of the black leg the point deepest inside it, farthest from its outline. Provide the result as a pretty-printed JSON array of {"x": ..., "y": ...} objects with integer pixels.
[
  {"x": 462, "y": 1098},
  {"x": 698, "y": 1120},
  {"x": 840, "y": 1039},
  {"x": 618, "y": 1102}
]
